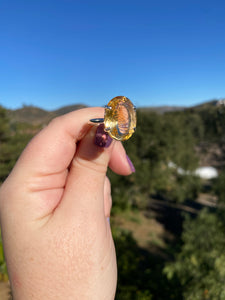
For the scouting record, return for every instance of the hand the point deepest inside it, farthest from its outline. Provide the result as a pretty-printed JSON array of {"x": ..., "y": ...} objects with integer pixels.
[{"x": 54, "y": 208}]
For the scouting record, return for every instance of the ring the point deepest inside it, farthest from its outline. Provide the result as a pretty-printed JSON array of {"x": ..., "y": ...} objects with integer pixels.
[{"x": 119, "y": 119}]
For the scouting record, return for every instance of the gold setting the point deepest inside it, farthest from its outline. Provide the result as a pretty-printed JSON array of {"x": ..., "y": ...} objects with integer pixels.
[{"x": 120, "y": 118}]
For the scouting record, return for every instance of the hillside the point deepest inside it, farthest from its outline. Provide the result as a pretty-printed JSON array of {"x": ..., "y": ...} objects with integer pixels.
[
  {"x": 162, "y": 109},
  {"x": 36, "y": 115}
]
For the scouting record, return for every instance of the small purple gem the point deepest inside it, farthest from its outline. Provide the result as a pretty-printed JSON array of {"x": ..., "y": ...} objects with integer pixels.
[{"x": 102, "y": 139}]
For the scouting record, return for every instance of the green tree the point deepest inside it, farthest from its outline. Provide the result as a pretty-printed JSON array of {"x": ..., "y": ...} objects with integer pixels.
[
  {"x": 13, "y": 138},
  {"x": 200, "y": 264},
  {"x": 4, "y": 126}
]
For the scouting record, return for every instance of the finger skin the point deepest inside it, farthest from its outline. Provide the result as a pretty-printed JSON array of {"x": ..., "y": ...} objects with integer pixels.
[
  {"x": 107, "y": 197},
  {"x": 53, "y": 210},
  {"x": 88, "y": 170},
  {"x": 118, "y": 162},
  {"x": 56, "y": 144},
  {"x": 42, "y": 170}
]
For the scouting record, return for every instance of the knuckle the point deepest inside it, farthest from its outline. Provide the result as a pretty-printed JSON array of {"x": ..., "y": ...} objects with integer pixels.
[{"x": 90, "y": 165}]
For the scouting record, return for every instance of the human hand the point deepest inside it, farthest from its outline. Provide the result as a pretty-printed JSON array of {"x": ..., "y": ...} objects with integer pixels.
[{"x": 54, "y": 208}]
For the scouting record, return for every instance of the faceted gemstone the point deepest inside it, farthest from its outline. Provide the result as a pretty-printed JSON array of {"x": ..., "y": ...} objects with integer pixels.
[
  {"x": 102, "y": 138},
  {"x": 120, "y": 118}
]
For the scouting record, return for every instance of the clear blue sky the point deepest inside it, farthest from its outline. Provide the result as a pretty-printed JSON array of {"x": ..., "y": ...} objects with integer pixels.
[{"x": 59, "y": 52}]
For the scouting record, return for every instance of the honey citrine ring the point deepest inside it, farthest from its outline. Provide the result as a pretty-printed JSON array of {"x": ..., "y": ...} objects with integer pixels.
[{"x": 119, "y": 119}]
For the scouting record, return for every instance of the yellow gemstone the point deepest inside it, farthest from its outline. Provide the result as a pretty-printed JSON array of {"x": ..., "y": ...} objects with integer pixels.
[{"x": 120, "y": 118}]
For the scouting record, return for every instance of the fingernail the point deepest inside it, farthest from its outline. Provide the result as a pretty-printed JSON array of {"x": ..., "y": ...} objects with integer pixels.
[
  {"x": 102, "y": 139},
  {"x": 130, "y": 164}
]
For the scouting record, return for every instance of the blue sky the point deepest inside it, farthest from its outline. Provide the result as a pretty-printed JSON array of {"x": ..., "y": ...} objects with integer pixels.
[{"x": 59, "y": 52}]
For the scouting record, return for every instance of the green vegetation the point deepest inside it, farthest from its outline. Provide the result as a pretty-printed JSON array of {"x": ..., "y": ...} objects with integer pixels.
[
  {"x": 13, "y": 138},
  {"x": 169, "y": 246},
  {"x": 200, "y": 264}
]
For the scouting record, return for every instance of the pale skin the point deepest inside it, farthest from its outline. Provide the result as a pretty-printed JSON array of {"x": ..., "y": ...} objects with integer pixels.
[{"x": 54, "y": 210}]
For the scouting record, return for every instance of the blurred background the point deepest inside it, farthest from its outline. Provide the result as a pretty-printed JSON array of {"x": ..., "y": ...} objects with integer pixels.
[{"x": 168, "y": 218}]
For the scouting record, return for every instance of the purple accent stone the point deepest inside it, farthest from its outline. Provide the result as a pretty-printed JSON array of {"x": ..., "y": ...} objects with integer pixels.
[{"x": 102, "y": 139}]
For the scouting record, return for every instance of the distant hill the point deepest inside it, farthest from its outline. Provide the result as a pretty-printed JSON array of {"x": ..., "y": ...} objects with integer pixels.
[
  {"x": 207, "y": 104},
  {"x": 35, "y": 115},
  {"x": 30, "y": 114},
  {"x": 165, "y": 108},
  {"x": 67, "y": 109},
  {"x": 162, "y": 109}
]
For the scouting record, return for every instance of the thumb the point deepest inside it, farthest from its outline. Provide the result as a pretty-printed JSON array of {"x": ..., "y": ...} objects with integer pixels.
[{"x": 84, "y": 191}]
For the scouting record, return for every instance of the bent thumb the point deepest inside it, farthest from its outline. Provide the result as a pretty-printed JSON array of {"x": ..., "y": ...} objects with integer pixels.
[{"x": 84, "y": 190}]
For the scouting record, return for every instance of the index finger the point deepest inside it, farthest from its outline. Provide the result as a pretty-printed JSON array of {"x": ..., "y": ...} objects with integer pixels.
[{"x": 52, "y": 150}]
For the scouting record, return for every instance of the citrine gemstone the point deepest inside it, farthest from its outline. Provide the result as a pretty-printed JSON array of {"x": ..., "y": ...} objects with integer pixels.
[{"x": 120, "y": 118}]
